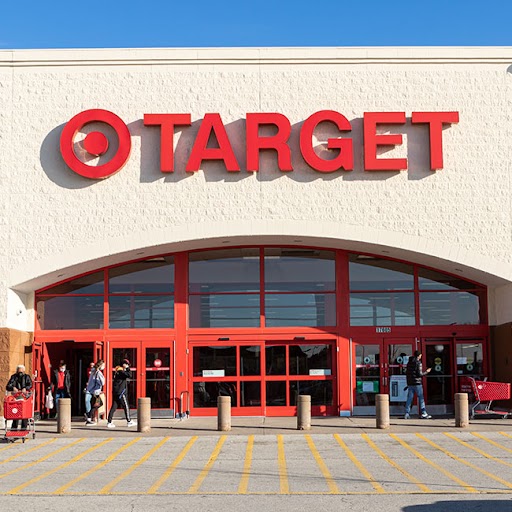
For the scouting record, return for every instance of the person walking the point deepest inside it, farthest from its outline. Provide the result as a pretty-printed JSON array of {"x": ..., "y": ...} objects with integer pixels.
[
  {"x": 61, "y": 384},
  {"x": 415, "y": 376},
  {"x": 19, "y": 382},
  {"x": 94, "y": 388},
  {"x": 87, "y": 394},
  {"x": 120, "y": 391}
]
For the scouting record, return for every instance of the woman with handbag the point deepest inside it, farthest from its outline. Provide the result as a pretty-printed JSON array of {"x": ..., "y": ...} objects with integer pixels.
[{"x": 94, "y": 389}]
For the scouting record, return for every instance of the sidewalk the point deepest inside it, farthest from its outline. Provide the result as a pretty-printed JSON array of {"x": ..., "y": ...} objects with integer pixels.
[{"x": 207, "y": 426}]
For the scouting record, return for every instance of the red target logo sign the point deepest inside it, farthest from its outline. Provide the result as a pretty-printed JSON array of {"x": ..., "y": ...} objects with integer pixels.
[{"x": 95, "y": 143}]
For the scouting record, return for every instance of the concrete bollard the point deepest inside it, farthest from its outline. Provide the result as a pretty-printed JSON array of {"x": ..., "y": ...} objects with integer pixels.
[
  {"x": 461, "y": 410},
  {"x": 224, "y": 413},
  {"x": 144, "y": 414},
  {"x": 304, "y": 412},
  {"x": 382, "y": 411},
  {"x": 64, "y": 416}
]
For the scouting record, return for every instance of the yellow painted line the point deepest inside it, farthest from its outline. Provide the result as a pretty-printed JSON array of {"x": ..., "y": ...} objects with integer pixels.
[
  {"x": 465, "y": 462},
  {"x": 481, "y": 452},
  {"x": 284, "y": 487},
  {"x": 359, "y": 465},
  {"x": 505, "y": 434},
  {"x": 244, "y": 481},
  {"x": 153, "y": 489},
  {"x": 204, "y": 473},
  {"x": 107, "y": 488},
  {"x": 29, "y": 450},
  {"x": 42, "y": 459},
  {"x": 62, "y": 466},
  {"x": 490, "y": 441},
  {"x": 110, "y": 458},
  {"x": 333, "y": 488},
  {"x": 391, "y": 462},
  {"x": 457, "y": 480}
]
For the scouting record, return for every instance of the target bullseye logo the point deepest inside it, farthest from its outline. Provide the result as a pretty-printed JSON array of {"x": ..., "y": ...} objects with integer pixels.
[{"x": 95, "y": 143}]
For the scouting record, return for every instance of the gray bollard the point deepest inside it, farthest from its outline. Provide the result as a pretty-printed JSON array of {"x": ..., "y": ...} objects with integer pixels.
[
  {"x": 304, "y": 412},
  {"x": 382, "y": 411},
  {"x": 64, "y": 416},
  {"x": 144, "y": 414},
  {"x": 224, "y": 413},
  {"x": 461, "y": 410}
]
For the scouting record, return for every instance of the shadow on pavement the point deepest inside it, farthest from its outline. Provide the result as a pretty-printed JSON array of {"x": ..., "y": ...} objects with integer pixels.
[{"x": 462, "y": 506}]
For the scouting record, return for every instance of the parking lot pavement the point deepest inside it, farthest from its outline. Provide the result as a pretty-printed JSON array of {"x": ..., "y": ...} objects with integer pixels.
[{"x": 275, "y": 463}]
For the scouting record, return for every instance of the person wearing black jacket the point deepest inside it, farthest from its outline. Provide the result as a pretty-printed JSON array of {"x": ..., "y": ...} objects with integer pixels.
[
  {"x": 120, "y": 392},
  {"x": 415, "y": 376},
  {"x": 61, "y": 383},
  {"x": 19, "y": 382}
]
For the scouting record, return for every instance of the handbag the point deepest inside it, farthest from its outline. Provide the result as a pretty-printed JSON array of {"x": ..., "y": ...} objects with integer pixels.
[{"x": 96, "y": 402}]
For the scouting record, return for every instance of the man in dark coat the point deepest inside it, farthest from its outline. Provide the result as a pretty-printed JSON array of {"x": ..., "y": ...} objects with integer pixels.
[
  {"x": 19, "y": 382},
  {"x": 120, "y": 392},
  {"x": 61, "y": 383},
  {"x": 415, "y": 376}
]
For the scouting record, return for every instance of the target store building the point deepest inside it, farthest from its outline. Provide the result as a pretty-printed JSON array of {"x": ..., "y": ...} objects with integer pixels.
[{"x": 259, "y": 223}]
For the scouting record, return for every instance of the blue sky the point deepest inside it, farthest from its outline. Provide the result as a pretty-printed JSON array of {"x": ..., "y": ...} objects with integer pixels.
[{"x": 168, "y": 23}]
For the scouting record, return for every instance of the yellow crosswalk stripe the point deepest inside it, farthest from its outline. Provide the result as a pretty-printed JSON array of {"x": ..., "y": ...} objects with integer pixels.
[
  {"x": 284, "y": 487},
  {"x": 465, "y": 462},
  {"x": 42, "y": 459},
  {"x": 244, "y": 481},
  {"x": 391, "y": 462},
  {"x": 333, "y": 488},
  {"x": 477, "y": 450},
  {"x": 58, "y": 468},
  {"x": 359, "y": 465},
  {"x": 490, "y": 441},
  {"x": 28, "y": 451},
  {"x": 107, "y": 488},
  {"x": 204, "y": 473},
  {"x": 110, "y": 458},
  {"x": 172, "y": 467},
  {"x": 420, "y": 456}
]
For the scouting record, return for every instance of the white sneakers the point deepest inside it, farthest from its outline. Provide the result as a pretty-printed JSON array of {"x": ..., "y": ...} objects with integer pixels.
[{"x": 129, "y": 424}]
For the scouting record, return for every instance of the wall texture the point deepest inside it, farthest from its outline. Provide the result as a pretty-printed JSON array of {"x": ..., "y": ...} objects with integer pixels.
[{"x": 54, "y": 223}]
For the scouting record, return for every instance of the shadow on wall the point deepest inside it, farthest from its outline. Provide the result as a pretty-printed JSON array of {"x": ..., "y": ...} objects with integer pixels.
[
  {"x": 415, "y": 141},
  {"x": 462, "y": 506}
]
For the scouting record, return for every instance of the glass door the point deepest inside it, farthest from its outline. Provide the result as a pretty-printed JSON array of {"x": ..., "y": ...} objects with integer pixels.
[
  {"x": 368, "y": 377},
  {"x": 130, "y": 351},
  {"x": 439, "y": 382},
  {"x": 469, "y": 361},
  {"x": 395, "y": 370}
]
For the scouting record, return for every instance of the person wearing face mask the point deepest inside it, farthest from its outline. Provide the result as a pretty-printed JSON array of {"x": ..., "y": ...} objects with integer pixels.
[
  {"x": 19, "y": 382},
  {"x": 95, "y": 387},
  {"x": 61, "y": 383}
]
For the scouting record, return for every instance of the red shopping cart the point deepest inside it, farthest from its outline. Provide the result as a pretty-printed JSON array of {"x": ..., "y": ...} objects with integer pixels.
[
  {"x": 20, "y": 407},
  {"x": 485, "y": 393}
]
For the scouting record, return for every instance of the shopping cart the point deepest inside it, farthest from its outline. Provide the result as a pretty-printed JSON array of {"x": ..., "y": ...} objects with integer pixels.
[
  {"x": 485, "y": 393},
  {"x": 19, "y": 406}
]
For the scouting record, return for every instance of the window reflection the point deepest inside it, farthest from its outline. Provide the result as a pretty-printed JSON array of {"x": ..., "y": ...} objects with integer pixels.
[
  {"x": 374, "y": 273},
  {"x": 450, "y": 308},
  {"x": 382, "y": 309},
  {"x": 149, "y": 276}
]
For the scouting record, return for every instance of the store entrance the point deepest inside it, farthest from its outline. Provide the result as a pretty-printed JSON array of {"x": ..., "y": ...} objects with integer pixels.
[
  {"x": 152, "y": 373},
  {"x": 380, "y": 367},
  {"x": 264, "y": 378}
]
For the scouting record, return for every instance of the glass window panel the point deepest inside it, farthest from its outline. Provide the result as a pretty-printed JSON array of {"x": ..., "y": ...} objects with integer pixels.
[
  {"x": 304, "y": 358},
  {"x": 450, "y": 308},
  {"x": 275, "y": 360},
  {"x": 373, "y": 273},
  {"x": 206, "y": 393},
  {"x": 89, "y": 284},
  {"x": 299, "y": 270},
  {"x": 470, "y": 359},
  {"x": 149, "y": 276},
  {"x": 320, "y": 391},
  {"x": 250, "y": 360},
  {"x": 432, "y": 280},
  {"x": 224, "y": 310},
  {"x": 304, "y": 309},
  {"x": 70, "y": 312},
  {"x": 215, "y": 358},
  {"x": 276, "y": 393},
  {"x": 230, "y": 270},
  {"x": 378, "y": 309},
  {"x": 250, "y": 394},
  {"x": 141, "y": 312}
]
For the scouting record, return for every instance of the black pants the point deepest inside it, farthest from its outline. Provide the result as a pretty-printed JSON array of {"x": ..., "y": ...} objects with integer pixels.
[
  {"x": 119, "y": 401},
  {"x": 24, "y": 424}
]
